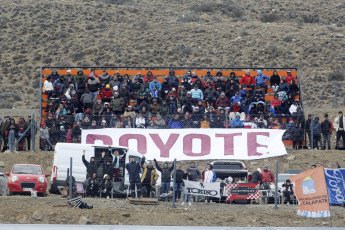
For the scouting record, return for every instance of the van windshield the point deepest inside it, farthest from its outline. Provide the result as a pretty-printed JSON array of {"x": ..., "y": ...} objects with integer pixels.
[{"x": 136, "y": 159}]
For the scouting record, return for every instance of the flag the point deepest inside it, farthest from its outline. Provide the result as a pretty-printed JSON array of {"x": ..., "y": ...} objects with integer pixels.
[
  {"x": 335, "y": 181},
  {"x": 311, "y": 192}
]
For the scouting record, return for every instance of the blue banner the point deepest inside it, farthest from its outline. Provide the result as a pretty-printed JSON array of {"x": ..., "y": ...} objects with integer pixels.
[{"x": 335, "y": 180}]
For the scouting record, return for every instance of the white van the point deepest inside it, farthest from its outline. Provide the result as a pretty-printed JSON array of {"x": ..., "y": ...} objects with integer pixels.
[{"x": 64, "y": 151}]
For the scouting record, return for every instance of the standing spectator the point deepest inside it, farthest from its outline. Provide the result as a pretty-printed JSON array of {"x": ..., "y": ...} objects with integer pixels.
[
  {"x": 104, "y": 79},
  {"x": 133, "y": 169},
  {"x": 106, "y": 94},
  {"x": 308, "y": 123},
  {"x": 91, "y": 167},
  {"x": 86, "y": 100},
  {"x": 92, "y": 74},
  {"x": 288, "y": 191},
  {"x": 210, "y": 95},
  {"x": 289, "y": 77},
  {"x": 92, "y": 186},
  {"x": 179, "y": 182},
  {"x": 80, "y": 88},
  {"x": 294, "y": 90},
  {"x": 283, "y": 112},
  {"x": 44, "y": 134},
  {"x": 166, "y": 177},
  {"x": 117, "y": 103},
  {"x": 80, "y": 77},
  {"x": 93, "y": 85},
  {"x": 12, "y": 134},
  {"x": 149, "y": 177},
  {"x": 116, "y": 158},
  {"x": 209, "y": 176},
  {"x": 261, "y": 80},
  {"x": 187, "y": 176},
  {"x": 175, "y": 122},
  {"x": 295, "y": 110},
  {"x": 267, "y": 179},
  {"x": 195, "y": 172},
  {"x": 256, "y": 176},
  {"x": 4, "y": 132},
  {"x": 340, "y": 131},
  {"x": 48, "y": 87},
  {"x": 326, "y": 130},
  {"x": 316, "y": 133},
  {"x": 275, "y": 81},
  {"x": 297, "y": 136},
  {"x": 172, "y": 79},
  {"x": 248, "y": 80},
  {"x": 197, "y": 94}
]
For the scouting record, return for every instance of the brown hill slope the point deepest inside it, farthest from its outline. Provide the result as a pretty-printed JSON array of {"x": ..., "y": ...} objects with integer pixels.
[{"x": 304, "y": 34}]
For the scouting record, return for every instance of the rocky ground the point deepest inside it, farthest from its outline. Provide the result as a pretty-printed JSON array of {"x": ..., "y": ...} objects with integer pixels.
[{"x": 229, "y": 33}]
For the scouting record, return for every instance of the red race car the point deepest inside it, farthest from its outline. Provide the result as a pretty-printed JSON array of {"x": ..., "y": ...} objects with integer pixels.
[{"x": 27, "y": 177}]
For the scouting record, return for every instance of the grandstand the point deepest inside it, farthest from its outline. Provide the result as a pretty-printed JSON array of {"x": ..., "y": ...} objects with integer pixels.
[{"x": 162, "y": 72}]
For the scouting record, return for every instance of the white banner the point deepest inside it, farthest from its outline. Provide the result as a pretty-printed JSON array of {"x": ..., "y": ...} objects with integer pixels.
[
  {"x": 202, "y": 189},
  {"x": 193, "y": 144}
]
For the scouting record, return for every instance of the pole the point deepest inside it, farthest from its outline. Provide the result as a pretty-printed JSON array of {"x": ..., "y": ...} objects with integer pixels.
[
  {"x": 335, "y": 94},
  {"x": 33, "y": 133},
  {"x": 311, "y": 133},
  {"x": 70, "y": 179},
  {"x": 174, "y": 185},
  {"x": 276, "y": 190}
]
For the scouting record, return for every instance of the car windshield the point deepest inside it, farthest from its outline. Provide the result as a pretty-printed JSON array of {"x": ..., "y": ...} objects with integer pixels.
[
  {"x": 283, "y": 178},
  {"x": 27, "y": 169},
  {"x": 235, "y": 166}
]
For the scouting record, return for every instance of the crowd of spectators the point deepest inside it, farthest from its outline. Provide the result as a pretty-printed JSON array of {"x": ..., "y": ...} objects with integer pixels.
[{"x": 143, "y": 102}]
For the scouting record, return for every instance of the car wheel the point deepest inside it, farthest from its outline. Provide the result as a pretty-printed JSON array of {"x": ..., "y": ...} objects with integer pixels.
[{"x": 9, "y": 193}]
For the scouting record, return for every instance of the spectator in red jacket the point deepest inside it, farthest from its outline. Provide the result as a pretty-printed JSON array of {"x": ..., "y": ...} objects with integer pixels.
[
  {"x": 267, "y": 177},
  {"x": 149, "y": 77},
  {"x": 289, "y": 77},
  {"x": 276, "y": 101},
  {"x": 248, "y": 80},
  {"x": 106, "y": 94}
]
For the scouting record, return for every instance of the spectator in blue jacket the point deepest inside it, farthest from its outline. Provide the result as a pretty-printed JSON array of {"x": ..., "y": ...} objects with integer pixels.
[
  {"x": 259, "y": 94},
  {"x": 237, "y": 123},
  {"x": 208, "y": 76},
  {"x": 244, "y": 91},
  {"x": 261, "y": 80},
  {"x": 284, "y": 87},
  {"x": 235, "y": 99},
  {"x": 187, "y": 76},
  {"x": 197, "y": 94},
  {"x": 59, "y": 86},
  {"x": 156, "y": 83},
  {"x": 172, "y": 79},
  {"x": 175, "y": 122}
]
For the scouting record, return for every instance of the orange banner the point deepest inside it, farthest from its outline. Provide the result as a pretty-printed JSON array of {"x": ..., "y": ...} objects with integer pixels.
[{"x": 311, "y": 192}]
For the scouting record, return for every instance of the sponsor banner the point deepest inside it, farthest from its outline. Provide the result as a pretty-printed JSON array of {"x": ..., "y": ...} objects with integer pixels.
[
  {"x": 243, "y": 191},
  {"x": 335, "y": 180},
  {"x": 311, "y": 192},
  {"x": 202, "y": 189},
  {"x": 193, "y": 144}
]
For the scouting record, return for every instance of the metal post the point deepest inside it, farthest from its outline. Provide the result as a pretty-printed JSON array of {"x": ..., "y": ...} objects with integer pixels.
[
  {"x": 174, "y": 185},
  {"x": 41, "y": 77},
  {"x": 335, "y": 94},
  {"x": 33, "y": 133},
  {"x": 70, "y": 179},
  {"x": 226, "y": 119},
  {"x": 276, "y": 191},
  {"x": 311, "y": 133}
]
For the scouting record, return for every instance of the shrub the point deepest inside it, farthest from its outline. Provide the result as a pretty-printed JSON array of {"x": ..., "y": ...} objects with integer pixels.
[
  {"x": 336, "y": 75},
  {"x": 269, "y": 17},
  {"x": 311, "y": 18},
  {"x": 190, "y": 17}
]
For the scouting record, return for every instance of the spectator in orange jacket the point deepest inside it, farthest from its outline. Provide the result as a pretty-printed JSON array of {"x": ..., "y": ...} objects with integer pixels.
[
  {"x": 248, "y": 80},
  {"x": 289, "y": 77},
  {"x": 106, "y": 94}
]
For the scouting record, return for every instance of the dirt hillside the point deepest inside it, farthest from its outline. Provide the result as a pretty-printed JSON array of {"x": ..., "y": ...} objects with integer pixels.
[{"x": 230, "y": 33}]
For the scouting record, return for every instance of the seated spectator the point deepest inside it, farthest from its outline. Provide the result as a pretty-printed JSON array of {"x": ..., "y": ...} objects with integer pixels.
[
  {"x": 175, "y": 122},
  {"x": 248, "y": 80},
  {"x": 172, "y": 79},
  {"x": 104, "y": 79},
  {"x": 127, "y": 81},
  {"x": 129, "y": 112},
  {"x": 148, "y": 78},
  {"x": 166, "y": 88},
  {"x": 268, "y": 109},
  {"x": 106, "y": 93},
  {"x": 92, "y": 186},
  {"x": 152, "y": 125},
  {"x": 232, "y": 82},
  {"x": 236, "y": 122},
  {"x": 230, "y": 92},
  {"x": 244, "y": 107},
  {"x": 143, "y": 95},
  {"x": 148, "y": 120},
  {"x": 124, "y": 93},
  {"x": 135, "y": 87},
  {"x": 283, "y": 112},
  {"x": 260, "y": 108},
  {"x": 289, "y": 77},
  {"x": 219, "y": 76},
  {"x": 59, "y": 86},
  {"x": 156, "y": 83},
  {"x": 103, "y": 124},
  {"x": 205, "y": 124},
  {"x": 194, "y": 78},
  {"x": 207, "y": 83},
  {"x": 115, "y": 82},
  {"x": 62, "y": 134},
  {"x": 218, "y": 123},
  {"x": 50, "y": 107},
  {"x": 259, "y": 94},
  {"x": 160, "y": 122},
  {"x": 48, "y": 87},
  {"x": 201, "y": 107},
  {"x": 172, "y": 103},
  {"x": 187, "y": 76},
  {"x": 186, "y": 85},
  {"x": 119, "y": 77},
  {"x": 70, "y": 92},
  {"x": 210, "y": 114},
  {"x": 86, "y": 100},
  {"x": 235, "y": 99},
  {"x": 128, "y": 123},
  {"x": 275, "y": 81},
  {"x": 248, "y": 98},
  {"x": 236, "y": 109},
  {"x": 283, "y": 87},
  {"x": 80, "y": 77},
  {"x": 294, "y": 90},
  {"x": 144, "y": 110},
  {"x": 276, "y": 124},
  {"x": 276, "y": 101},
  {"x": 140, "y": 79},
  {"x": 261, "y": 80},
  {"x": 97, "y": 108},
  {"x": 117, "y": 103},
  {"x": 288, "y": 191},
  {"x": 199, "y": 85},
  {"x": 154, "y": 94},
  {"x": 223, "y": 103},
  {"x": 140, "y": 121},
  {"x": 76, "y": 133},
  {"x": 164, "y": 109},
  {"x": 208, "y": 76},
  {"x": 114, "y": 119},
  {"x": 61, "y": 110},
  {"x": 262, "y": 123},
  {"x": 220, "y": 86},
  {"x": 248, "y": 123},
  {"x": 187, "y": 122},
  {"x": 154, "y": 107},
  {"x": 244, "y": 91},
  {"x": 197, "y": 117},
  {"x": 233, "y": 77},
  {"x": 182, "y": 93},
  {"x": 296, "y": 110},
  {"x": 94, "y": 125},
  {"x": 210, "y": 95}
]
